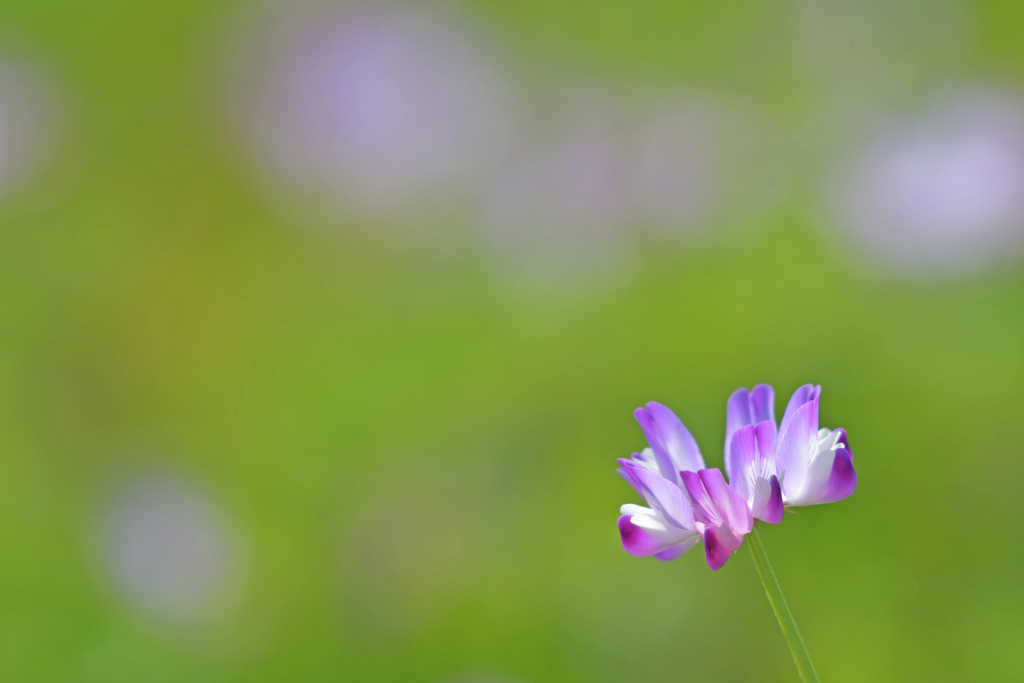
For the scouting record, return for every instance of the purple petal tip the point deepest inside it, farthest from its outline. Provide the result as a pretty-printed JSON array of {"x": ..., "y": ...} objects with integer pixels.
[
  {"x": 842, "y": 482},
  {"x": 635, "y": 540},
  {"x": 719, "y": 545},
  {"x": 775, "y": 511}
]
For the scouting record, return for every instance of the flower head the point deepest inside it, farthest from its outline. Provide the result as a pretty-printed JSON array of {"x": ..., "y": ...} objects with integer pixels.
[
  {"x": 667, "y": 528},
  {"x": 817, "y": 464},
  {"x": 769, "y": 468},
  {"x": 798, "y": 464},
  {"x": 722, "y": 516},
  {"x": 687, "y": 502}
]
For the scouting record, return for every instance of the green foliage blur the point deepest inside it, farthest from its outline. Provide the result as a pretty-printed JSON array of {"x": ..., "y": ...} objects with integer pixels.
[{"x": 418, "y": 456}]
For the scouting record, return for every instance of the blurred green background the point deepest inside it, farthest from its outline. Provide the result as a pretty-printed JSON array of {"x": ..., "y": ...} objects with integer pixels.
[{"x": 415, "y": 456}]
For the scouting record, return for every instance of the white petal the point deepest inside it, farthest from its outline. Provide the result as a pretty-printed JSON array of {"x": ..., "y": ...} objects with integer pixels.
[
  {"x": 646, "y": 460},
  {"x": 762, "y": 494},
  {"x": 828, "y": 439},
  {"x": 818, "y": 472},
  {"x": 655, "y": 524}
]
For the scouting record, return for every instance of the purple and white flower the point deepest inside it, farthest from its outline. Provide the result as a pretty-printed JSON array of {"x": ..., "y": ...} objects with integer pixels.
[
  {"x": 816, "y": 465},
  {"x": 704, "y": 508},
  {"x": 722, "y": 516},
  {"x": 769, "y": 469},
  {"x": 799, "y": 464},
  {"x": 667, "y": 528},
  {"x": 687, "y": 502}
]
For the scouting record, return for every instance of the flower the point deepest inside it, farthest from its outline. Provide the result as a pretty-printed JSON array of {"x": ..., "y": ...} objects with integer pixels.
[
  {"x": 769, "y": 469},
  {"x": 722, "y": 515},
  {"x": 666, "y": 529},
  {"x": 750, "y": 458},
  {"x": 799, "y": 464},
  {"x": 687, "y": 501},
  {"x": 816, "y": 465},
  {"x": 705, "y": 508}
]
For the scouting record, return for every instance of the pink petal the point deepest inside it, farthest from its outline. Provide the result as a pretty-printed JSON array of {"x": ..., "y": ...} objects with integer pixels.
[
  {"x": 732, "y": 507},
  {"x": 636, "y": 541},
  {"x": 719, "y": 545},
  {"x": 774, "y": 511},
  {"x": 842, "y": 482},
  {"x": 704, "y": 509}
]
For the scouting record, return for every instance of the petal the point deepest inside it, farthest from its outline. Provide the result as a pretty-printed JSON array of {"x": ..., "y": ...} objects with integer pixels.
[
  {"x": 678, "y": 549},
  {"x": 818, "y": 472},
  {"x": 739, "y": 459},
  {"x": 773, "y": 510},
  {"x": 646, "y": 532},
  {"x": 762, "y": 404},
  {"x": 732, "y": 507},
  {"x": 798, "y": 443},
  {"x": 737, "y": 415},
  {"x": 660, "y": 494},
  {"x": 636, "y": 541},
  {"x": 762, "y": 495},
  {"x": 653, "y": 436},
  {"x": 747, "y": 408},
  {"x": 676, "y": 438},
  {"x": 643, "y": 459},
  {"x": 647, "y": 459},
  {"x": 841, "y": 482},
  {"x": 655, "y": 524},
  {"x": 704, "y": 509},
  {"x": 764, "y": 436},
  {"x": 719, "y": 545},
  {"x": 842, "y": 438},
  {"x": 801, "y": 396},
  {"x": 752, "y": 456}
]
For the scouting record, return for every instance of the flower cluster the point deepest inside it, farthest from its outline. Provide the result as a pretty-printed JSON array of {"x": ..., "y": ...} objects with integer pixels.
[{"x": 769, "y": 467}]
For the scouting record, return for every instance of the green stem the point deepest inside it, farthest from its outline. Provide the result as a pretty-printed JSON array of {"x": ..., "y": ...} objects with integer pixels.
[{"x": 782, "y": 613}]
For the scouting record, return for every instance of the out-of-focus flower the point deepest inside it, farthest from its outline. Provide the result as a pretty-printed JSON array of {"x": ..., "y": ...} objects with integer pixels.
[
  {"x": 167, "y": 547},
  {"x": 29, "y": 122},
  {"x": 389, "y": 107},
  {"x": 942, "y": 190},
  {"x": 558, "y": 207},
  {"x": 693, "y": 161},
  {"x": 687, "y": 502},
  {"x": 568, "y": 202}
]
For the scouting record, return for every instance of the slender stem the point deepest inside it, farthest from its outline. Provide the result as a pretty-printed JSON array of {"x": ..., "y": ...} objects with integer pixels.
[{"x": 782, "y": 613}]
